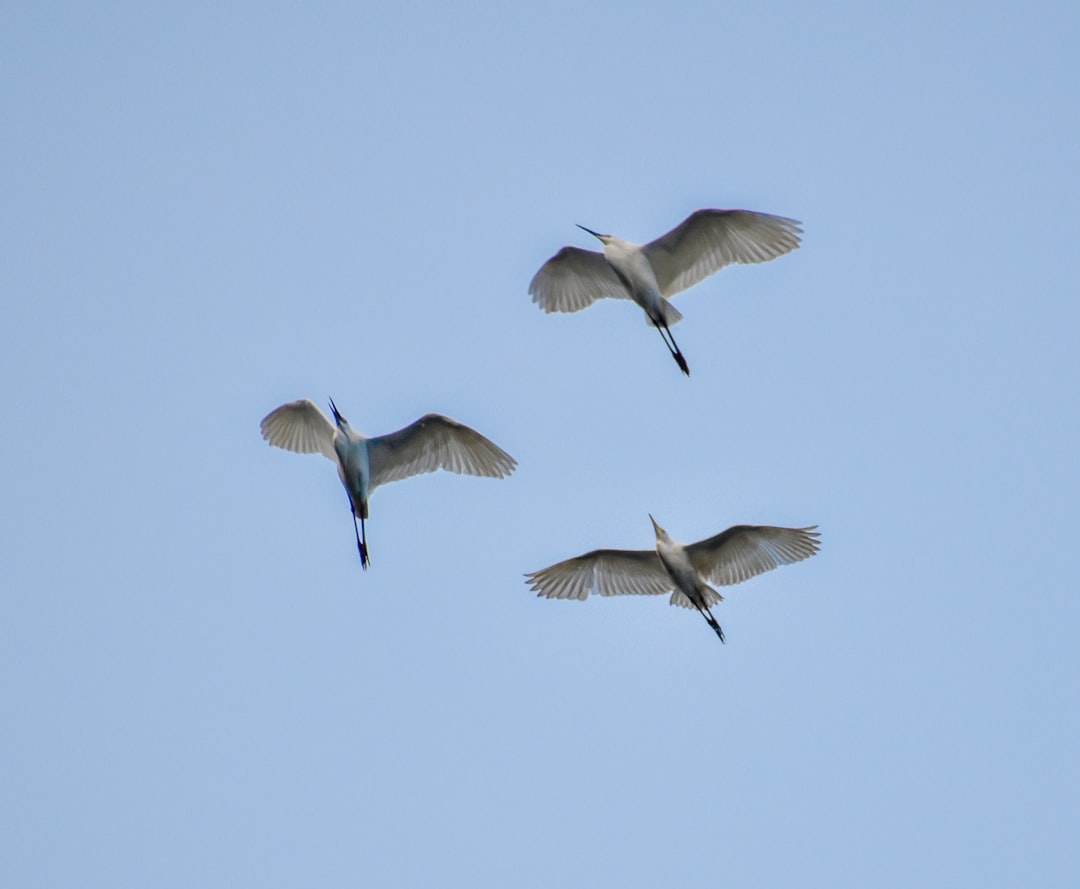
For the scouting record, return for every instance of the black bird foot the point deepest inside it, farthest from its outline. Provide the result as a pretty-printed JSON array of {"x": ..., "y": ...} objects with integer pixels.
[{"x": 683, "y": 366}]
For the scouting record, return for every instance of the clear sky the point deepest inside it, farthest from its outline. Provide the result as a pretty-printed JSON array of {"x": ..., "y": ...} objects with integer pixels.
[{"x": 209, "y": 209}]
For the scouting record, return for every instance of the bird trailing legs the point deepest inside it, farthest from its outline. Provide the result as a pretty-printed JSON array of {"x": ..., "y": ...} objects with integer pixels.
[
  {"x": 708, "y": 615},
  {"x": 669, "y": 341},
  {"x": 361, "y": 536}
]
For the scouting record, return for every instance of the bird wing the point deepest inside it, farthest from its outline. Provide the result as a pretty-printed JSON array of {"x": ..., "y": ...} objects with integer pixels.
[
  {"x": 435, "y": 442},
  {"x": 301, "y": 427},
  {"x": 574, "y": 279},
  {"x": 708, "y": 240},
  {"x": 745, "y": 551},
  {"x": 609, "y": 572}
]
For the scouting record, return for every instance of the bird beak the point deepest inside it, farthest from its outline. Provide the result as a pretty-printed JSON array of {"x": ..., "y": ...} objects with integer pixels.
[
  {"x": 337, "y": 414},
  {"x": 591, "y": 232},
  {"x": 656, "y": 527}
]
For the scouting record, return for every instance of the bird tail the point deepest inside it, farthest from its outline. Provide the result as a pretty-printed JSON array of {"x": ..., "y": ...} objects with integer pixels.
[
  {"x": 670, "y": 315},
  {"x": 710, "y": 596}
]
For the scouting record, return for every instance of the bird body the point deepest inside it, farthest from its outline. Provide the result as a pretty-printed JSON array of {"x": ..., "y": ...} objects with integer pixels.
[
  {"x": 633, "y": 270},
  {"x": 432, "y": 442},
  {"x": 650, "y": 274},
  {"x": 686, "y": 571},
  {"x": 354, "y": 466},
  {"x": 676, "y": 561}
]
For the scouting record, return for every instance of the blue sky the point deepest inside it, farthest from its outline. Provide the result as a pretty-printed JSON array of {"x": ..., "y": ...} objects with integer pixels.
[{"x": 207, "y": 212}]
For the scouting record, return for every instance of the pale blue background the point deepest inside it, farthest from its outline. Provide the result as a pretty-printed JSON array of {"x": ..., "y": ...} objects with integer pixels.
[{"x": 209, "y": 209}]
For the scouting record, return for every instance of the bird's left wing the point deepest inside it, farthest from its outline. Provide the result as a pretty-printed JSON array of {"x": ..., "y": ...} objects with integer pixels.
[
  {"x": 708, "y": 240},
  {"x": 574, "y": 279},
  {"x": 301, "y": 427},
  {"x": 609, "y": 572},
  {"x": 435, "y": 442},
  {"x": 745, "y": 551}
]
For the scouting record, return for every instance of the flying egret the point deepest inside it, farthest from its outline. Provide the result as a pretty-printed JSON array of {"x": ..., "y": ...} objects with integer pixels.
[
  {"x": 734, "y": 555},
  {"x": 432, "y": 442},
  {"x": 650, "y": 274}
]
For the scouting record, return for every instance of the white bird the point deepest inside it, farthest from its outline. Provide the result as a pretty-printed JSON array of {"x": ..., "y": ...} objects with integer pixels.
[
  {"x": 734, "y": 555},
  {"x": 432, "y": 442},
  {"x": 650, "y": 274}
]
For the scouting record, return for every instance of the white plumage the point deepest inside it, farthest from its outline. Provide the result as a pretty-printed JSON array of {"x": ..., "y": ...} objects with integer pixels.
[
  {"x": 432, "y": 442},
  {"x": 734, "y": 555},
  {"x": 650, "y": 274}
]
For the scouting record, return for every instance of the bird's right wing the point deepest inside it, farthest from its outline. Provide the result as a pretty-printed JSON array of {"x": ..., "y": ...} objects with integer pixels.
[
  {"x": 301, "y": 427},
  {"x": 609, "y": 572},
  {"x": 708, "y": 240},
  {"x": 744, "y": 551},
  {"x": 435, "y": 442},
  {"x": 574, "y": 279}
]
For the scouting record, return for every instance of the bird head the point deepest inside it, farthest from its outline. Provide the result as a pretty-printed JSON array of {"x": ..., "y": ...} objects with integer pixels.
[
  {"x": 603, "y": 239},
  {"x": 338, "y": 419},
  {"x": 661, "y": 534}
]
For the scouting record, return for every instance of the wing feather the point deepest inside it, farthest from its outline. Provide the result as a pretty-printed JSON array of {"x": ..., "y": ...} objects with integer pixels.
[
  {"x": 607, "y": 572},
  {"x": 574, "y": 279},
  {"x": 744, "y": 551},
  {"x": 708, "y": 240},
  {"x": 301, "y": 427},
  {"x": 435, "y": 442}
]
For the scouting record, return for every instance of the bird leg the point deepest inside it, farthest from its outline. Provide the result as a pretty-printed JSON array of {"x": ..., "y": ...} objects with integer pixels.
[
  {"x": 676, "y": 354},
  {"x": 361, "y": 538},
  {"x": 707, "y": 614},
  {"x": 669, "y": 341},
  {"x": 365, "y": 559}
]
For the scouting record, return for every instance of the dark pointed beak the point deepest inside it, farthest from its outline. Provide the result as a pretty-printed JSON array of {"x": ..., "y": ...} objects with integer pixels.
[
  {"x": 337, "y": 414},
  {"x": 590, "y": 231}
]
